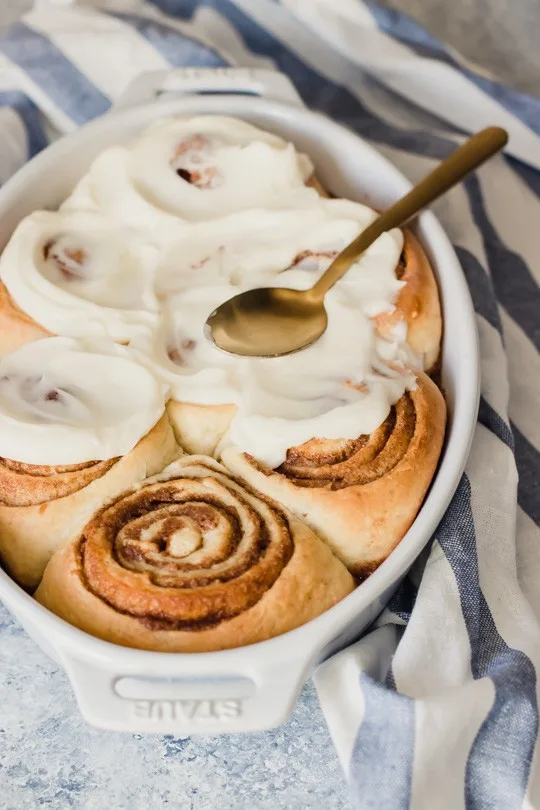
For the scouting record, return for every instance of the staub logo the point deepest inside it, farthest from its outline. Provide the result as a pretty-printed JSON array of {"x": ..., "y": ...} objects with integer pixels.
[{"x": 197, "y": 711}]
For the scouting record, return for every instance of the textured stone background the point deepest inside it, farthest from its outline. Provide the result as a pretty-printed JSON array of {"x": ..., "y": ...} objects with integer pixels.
[{"x": 50, "y": 758}]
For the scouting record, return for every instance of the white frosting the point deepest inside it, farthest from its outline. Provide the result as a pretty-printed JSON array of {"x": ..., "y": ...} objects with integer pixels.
[
  {"x": 284, "y": 401},
  {"x": 194, "y": 169},
  {"x": 77, "y": 274},
  {"x": 170, "y": 226},
  {"x": 108, "y": 188},
  {"x": 65, "y": 401}
]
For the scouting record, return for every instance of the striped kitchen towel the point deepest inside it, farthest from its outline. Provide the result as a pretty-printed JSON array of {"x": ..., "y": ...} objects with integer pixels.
[{"x": 438, "y": 705}]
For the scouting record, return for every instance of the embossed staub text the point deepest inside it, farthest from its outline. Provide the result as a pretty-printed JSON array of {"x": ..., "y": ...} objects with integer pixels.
[{"x": 196, "y": 711}]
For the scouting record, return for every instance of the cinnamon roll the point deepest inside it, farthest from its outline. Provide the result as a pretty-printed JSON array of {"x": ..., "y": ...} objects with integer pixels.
[
  {"x": 417, "y": 306},
  {"x": 194, "y": 169},
  {"x": 79, "y": 423},
  {"x": 360, "y": 495},
  {"x": 76, "y": 275},
  {"x": 215, "y": 261},
  {"x": 191, "y": 561}
]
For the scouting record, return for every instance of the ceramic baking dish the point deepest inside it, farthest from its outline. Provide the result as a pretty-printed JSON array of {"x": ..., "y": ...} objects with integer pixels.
[{"x": 253, "y": 687}]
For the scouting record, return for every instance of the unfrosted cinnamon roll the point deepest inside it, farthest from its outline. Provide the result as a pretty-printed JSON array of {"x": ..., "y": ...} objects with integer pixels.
[
  {"x": 194, "y": 169},
  {"x": 189, "y": 562},
  {"x": 78, "y": 425},
  {"x": 77, "y": 275},
  {"x": 359, "y": 495}
]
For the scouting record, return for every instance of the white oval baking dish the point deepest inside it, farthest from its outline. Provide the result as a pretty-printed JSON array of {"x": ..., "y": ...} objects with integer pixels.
[{"x": 253, "y": 687}]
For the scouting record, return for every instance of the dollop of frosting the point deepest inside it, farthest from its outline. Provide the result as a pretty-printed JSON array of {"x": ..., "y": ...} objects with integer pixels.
[
  {"x": 77, "y": 274},
  {"x": 65, "y": 401},
  {"x": 341, "y": 386},
  {"x": 194, "y": 169}
]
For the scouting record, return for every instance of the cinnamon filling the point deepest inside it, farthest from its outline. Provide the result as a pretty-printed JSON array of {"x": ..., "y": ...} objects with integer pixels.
[
  {"x": 176, "y": 355},
  {"x": 339, "y": 463},
  {"x": 401, "y": 266},
  {"x": 32, "y": 484},
  {"x": 184, "y": 554},
  {"x": 185, "y": 175},
  {"x": 187, "y": 161},
  {"x": 313, "y": 256},
  {"x": 70, "y": 261}
]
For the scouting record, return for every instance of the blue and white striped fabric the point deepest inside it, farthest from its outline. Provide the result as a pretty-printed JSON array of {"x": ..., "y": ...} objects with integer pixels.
[{"x": 438, "y": 705}]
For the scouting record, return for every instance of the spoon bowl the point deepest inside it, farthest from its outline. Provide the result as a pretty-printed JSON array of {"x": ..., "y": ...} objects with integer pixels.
[
  {"x": 267, "y": 322},
  {"x": 273, "y": 321}
]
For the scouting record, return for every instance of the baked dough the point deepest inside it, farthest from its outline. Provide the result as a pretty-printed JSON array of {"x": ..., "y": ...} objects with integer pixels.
[
  {"x": 189, "y": 562},
  {"x": 359, "y": 495},
  {"x": 43, "y": 507}
]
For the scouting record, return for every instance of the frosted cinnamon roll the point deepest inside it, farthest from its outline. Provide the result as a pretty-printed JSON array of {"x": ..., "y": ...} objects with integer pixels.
[
  {"x": 194, "y": 169},
  {"x": 79, "y": 423},
  {"x": 364, "y": 349},
  {"x": 77, "y": 275},
  {"x": 361, "y": 494},
  {"x": 189, "y": 562}
]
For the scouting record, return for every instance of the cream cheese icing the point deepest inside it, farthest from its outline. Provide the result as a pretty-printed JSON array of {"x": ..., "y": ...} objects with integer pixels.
[
  {"x": 194, "y": 169},
  {"x": 66, "y": 401},
  {"x": 78, "y": 275},
  {"x": 161, "y": 231}
]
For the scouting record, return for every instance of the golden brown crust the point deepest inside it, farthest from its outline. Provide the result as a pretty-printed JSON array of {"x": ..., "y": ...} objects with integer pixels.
[
  {"x": 360, "y": 496},
  {"x": 50, "y": 509},
  {"x": 16, "y": 327},
  {"x": 30, "y": 484},
  {"x": 192, "y": 563},
  {"x": 417, "y": 303}
]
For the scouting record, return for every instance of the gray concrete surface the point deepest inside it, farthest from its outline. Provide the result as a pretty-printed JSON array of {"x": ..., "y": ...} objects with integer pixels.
[{"x": 500, "y": 35}]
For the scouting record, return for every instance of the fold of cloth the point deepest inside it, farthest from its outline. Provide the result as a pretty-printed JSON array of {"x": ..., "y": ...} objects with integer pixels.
[{"x": 437, "y": 705}]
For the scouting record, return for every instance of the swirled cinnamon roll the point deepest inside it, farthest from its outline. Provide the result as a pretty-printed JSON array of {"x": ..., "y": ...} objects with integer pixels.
[
  {"x": 362, "y": 494},
  {"x": 191, "y": 561},
  {"x": 75, "y": 275},
  {"x": 194, "y": 169},
  {"x": 78, "y": 424}
]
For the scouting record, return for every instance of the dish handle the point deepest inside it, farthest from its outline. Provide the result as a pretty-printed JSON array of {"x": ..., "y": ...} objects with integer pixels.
[
  {"x": 246, "y": 81},
  {"x": 192, "y": 698}
]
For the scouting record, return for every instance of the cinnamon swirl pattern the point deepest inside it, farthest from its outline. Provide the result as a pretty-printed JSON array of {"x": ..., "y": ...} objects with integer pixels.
[
  {"x": 360, "y": 495},
  {"x": 191, "y": 561},
  {"x": 75, "y": 274}
]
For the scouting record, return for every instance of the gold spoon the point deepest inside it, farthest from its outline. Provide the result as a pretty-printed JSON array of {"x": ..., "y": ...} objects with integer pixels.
[{"x": 272, "y": 321}]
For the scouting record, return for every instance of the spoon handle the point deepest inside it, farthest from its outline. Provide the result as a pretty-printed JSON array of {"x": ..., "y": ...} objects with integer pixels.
[{"x": 475, "y": 151}]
